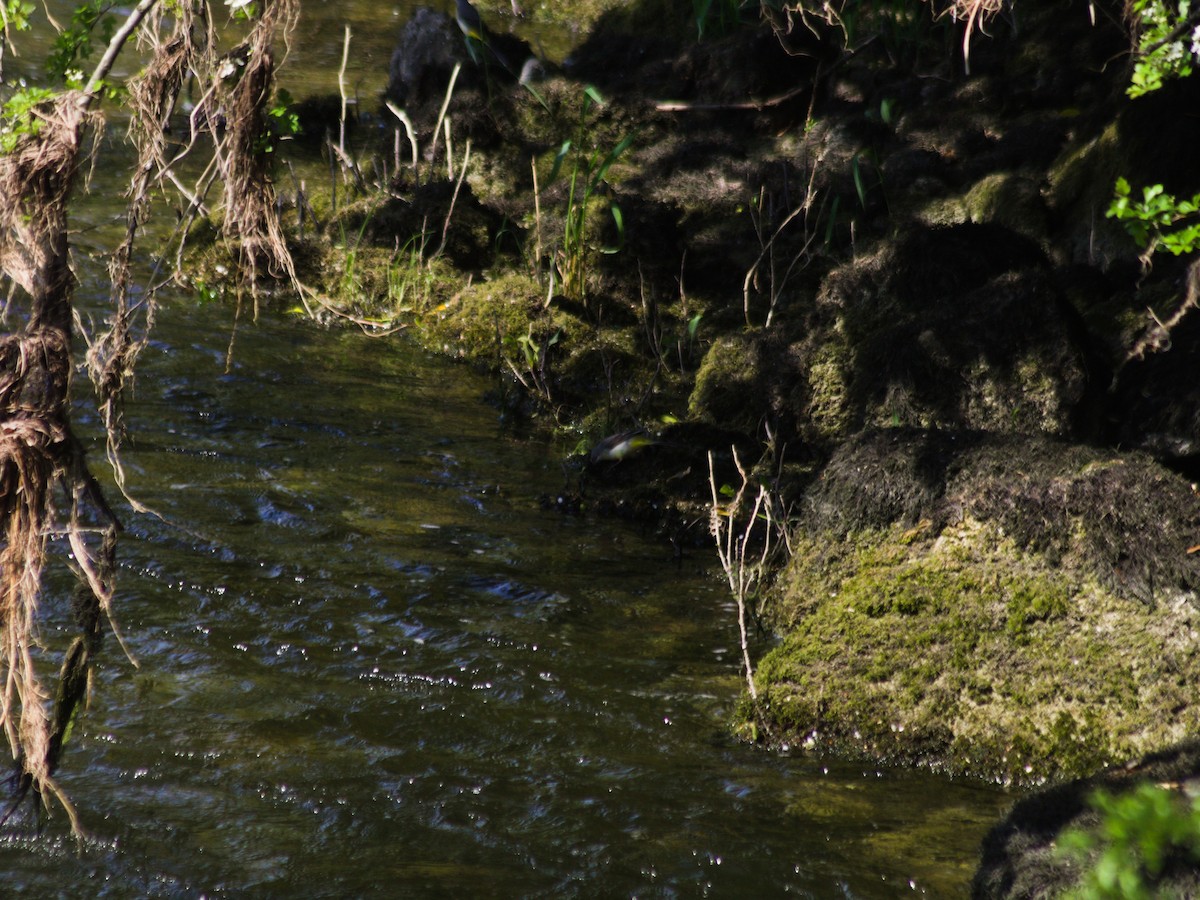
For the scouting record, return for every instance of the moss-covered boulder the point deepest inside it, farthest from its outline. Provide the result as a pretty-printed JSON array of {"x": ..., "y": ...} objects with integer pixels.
[
  {"x": 1014, "y": 609},
  {"x": 485, "y": 321},
  {"x": 952, "y": 328}
]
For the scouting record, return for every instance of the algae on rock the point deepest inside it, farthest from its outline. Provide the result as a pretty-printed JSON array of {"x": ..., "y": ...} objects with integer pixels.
[{"x": 1020, "y": 610}]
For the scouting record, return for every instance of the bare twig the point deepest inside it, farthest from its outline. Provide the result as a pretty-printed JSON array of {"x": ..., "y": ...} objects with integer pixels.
[
  {"x": 409, "y": 129},
  {"x": 778, "y": 282},
  {"x": 453, "y": 200},
  {"x": 437, "y": 127},
  {"x": 92, "y": 90},
  {"x": 342, "y": 93}
]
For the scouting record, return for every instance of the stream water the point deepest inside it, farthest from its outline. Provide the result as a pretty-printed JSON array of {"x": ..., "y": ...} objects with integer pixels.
[{"x": 372, "y": 665}]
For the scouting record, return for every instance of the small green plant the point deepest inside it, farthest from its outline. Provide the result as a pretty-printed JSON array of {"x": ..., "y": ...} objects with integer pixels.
[
  {"x": 74, "y": 44},
  {"x": 408, "y": 278},
  {"x": 1140, "y": 832},
  {"x": 887, "y": 113},
  {"x": 534, "y": 377},
  {"x": 587, "y": 184},
  {"x": 282, "y": 123},
  {"x": 1165, "y": 46},
  {"x": 350, "y": 285},
  {"x": 716, "y": 17},
  {"x": 693, "y": 329},
  {"x": 19, "y": 116},
  {"x": 1158, "y": 220},
  {"x": 207, "y": 293}
]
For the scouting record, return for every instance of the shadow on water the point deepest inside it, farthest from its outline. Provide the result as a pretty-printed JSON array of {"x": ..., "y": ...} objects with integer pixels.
[{"x": 371, "y": 665}]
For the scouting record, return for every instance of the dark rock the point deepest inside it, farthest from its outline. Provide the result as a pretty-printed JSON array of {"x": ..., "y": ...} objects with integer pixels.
[
  {"x": 429, "y": 48},
  {"x": 1019, "y": 857},
  {"x": 1122, "y": 517}
]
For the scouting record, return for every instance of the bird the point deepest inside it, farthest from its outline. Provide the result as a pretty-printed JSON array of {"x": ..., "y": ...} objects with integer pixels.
[
  {"x": 480, "y": 44},
  {"x": 617, "y": 447},
  {"x": 470, "y": 21}
]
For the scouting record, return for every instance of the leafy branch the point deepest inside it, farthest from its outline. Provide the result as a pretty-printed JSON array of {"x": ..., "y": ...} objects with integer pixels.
[{"x": 1158, "y": 220}]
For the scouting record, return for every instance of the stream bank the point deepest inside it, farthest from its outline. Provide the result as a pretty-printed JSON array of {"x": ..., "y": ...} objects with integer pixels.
[{"x": 891, "y": 285}]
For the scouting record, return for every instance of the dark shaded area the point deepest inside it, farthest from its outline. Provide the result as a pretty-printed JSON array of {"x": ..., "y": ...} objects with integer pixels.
[
  {"x": 1129, "y": 518},
  {"x": 1158, "y": 154},
  {"x": 421, "y": 220},
  {"x": 650, "y": 47},
  {"x": 1019, "y": 858},
  {"x": 1156, "y": 404}
]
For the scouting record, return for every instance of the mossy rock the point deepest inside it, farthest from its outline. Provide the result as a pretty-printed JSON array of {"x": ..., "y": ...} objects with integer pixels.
[
  {"x": 1011, "y": 200},
  {"x": 952, "y": 328},
  {"x": 1013, "y": 608},
  {"x": 484, "y": 321},
  {"x": 954, "y": 648},
  {"x": 927, "y": 268},
  {"x": 1078, "y": 193},
  {"x": 1117, "y": 518},
  {"x": 598, "y": 364},
  {"x": 728, "y": 389},
  {"x": 1003, "y": 358},
  {"x": 933, "y": 331}
]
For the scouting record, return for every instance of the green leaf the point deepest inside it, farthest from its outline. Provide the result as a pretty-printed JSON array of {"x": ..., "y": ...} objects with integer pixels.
[
  {"x": 619, "y": 219},
  {"x": 887, "y": 110},
  {"x": 856, "y": 170},
  {"x": 558, "y": 159}
]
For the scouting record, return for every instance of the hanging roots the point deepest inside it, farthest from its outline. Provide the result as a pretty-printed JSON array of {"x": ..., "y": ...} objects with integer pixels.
[
  {"x": 250, "y": 216},
  {"x": 35, "y": 179},
  {"x": 152, "y": 98},
  {"x": 975, "y": 14},
  {"x": 39, "y": 457}
]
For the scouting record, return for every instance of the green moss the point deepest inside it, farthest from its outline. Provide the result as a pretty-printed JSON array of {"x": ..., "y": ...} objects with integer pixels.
[
  {"x": 595, "y": 365},
  {"x": 1008, "y": 199},
  {"x": 1035, "y": 601},
  {"x": 727, "y": 384},
  {"x": 943, "y": 211},
  {"x": 828, "y": 410},
  {"x": 481, "y": 321},
  {"x": 1085, "y": 168},
  {"x": 958, "y": 650}
]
